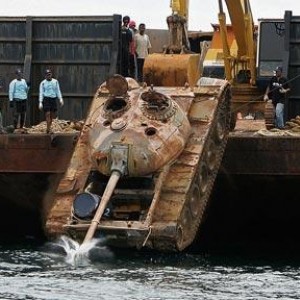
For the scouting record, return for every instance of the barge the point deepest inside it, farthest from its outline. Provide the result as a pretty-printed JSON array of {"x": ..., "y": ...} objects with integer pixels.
[{"x": 255, "y": 198}]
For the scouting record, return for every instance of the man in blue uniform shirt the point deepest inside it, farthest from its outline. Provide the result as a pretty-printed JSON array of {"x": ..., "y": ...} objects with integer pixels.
[
  {"x": 48, "y": 96},
  {"x": 18, "y": 90}
]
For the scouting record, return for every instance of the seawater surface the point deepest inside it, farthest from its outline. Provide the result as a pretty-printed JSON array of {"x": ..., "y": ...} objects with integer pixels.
[{"x": 31, "y": 271}]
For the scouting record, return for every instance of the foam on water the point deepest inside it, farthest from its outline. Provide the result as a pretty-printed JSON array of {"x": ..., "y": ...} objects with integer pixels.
[{"x": 79, "y": 254}]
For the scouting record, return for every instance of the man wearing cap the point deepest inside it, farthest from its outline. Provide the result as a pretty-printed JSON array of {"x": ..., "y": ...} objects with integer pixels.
[
  {"x": 277, "y": 90},
  {"x": 18, "y": 90},
  {"x": 48, "y": 96}
]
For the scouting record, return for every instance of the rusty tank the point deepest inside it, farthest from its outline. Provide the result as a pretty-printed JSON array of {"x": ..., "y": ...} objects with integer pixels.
[{"x": 144, "y": 165}]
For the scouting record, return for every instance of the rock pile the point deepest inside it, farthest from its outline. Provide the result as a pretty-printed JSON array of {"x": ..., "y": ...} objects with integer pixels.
[{"x": 58, "y": 126}]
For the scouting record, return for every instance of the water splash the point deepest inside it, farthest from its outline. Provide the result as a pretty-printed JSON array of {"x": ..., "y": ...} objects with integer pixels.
[{"x": 77, "y": 254}]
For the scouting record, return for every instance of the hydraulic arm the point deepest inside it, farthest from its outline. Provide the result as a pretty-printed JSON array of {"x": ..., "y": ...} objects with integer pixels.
[
  {"x": 242, "y": 62},
  {"x": 177, "y": 24}
]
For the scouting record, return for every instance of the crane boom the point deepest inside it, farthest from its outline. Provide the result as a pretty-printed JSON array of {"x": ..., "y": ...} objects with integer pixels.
[
  {"x": 243, "y": 28},
  {"x": 180, "y": 7},
  {"x": 236, "y": 10}
]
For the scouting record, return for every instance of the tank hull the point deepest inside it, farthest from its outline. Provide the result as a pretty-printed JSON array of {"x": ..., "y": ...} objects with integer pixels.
[{"x": 161, "y": 210}]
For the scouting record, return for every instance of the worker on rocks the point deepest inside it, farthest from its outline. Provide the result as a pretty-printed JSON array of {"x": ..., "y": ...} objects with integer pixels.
[
  {"x": 18, "y": 91},
  {"x": 49, "y": 94}
]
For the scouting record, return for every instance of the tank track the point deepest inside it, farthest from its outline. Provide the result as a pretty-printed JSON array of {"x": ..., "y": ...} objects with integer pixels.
[{"x": 190, "y": 180}]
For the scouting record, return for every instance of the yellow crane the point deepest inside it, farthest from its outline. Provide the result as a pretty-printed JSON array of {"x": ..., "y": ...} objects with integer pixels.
[
  {"x": 240, "y": 63},
  {"x": 176, "y": 65}
]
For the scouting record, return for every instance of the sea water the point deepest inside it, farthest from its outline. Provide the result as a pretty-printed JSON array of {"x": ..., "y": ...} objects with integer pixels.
[{"x": 56, "y": 271}]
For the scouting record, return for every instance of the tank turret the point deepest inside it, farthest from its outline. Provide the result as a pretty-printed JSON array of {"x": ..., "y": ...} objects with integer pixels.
[{"x": 148, "y": 130}]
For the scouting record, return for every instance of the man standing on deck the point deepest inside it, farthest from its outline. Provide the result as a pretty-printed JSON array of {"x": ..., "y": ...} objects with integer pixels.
[
  {"x": 48, "y": 96},
  {"x": 132, "y": 51},
  {"x": 277, "y": 89},
  {"x": 143, "y": 45},
  {"x": 18, "y": 90},
  {"x": 126, "y": 37}
]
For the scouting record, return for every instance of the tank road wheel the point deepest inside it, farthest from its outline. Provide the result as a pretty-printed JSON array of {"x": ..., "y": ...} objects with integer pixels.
[
  {"x": 183, "y": 230},
  {"x": 193, "y": 211},
  {"x": 190, "y": 218},
  {"x": 223, "y": 119},
  {"x": 195, "y": 201},
  {"x": 203, "y": 178},
  {"x": 211, "y": 155},
  {"x": 220, "y": 128},
  {"x": 179, "y": 238}
]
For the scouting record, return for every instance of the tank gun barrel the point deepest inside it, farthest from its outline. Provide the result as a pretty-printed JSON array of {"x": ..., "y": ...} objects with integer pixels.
[
  {"x": 119, "y": 157},
  {"x": 113, "y": 180}
]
